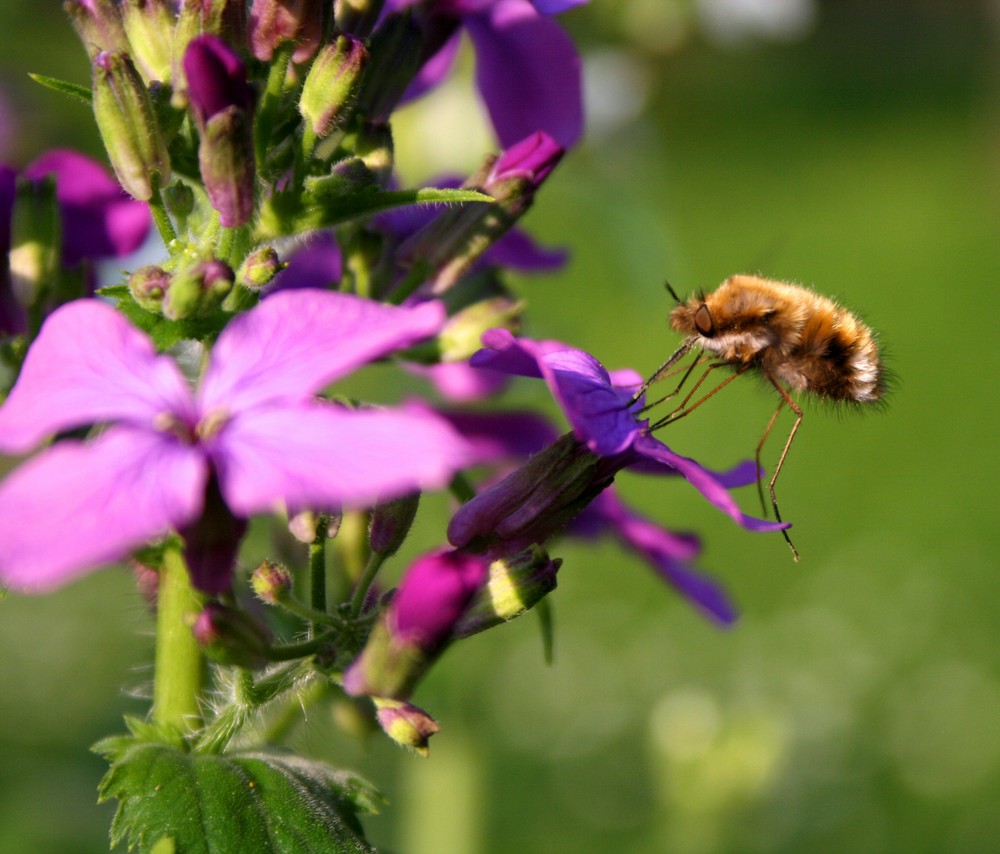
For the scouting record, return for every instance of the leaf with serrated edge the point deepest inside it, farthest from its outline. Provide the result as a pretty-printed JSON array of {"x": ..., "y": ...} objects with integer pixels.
[{"x": 231, "y": 803}]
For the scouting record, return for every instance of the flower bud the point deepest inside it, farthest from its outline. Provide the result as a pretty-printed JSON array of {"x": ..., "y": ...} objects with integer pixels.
[
  {"x": 149, "y": 25},
  {"x": 462, "y": 334},
  {"x": 417, "y": 625},
  {"x": 271, "y": 582},
  {"x": 179, "y": 198},
  {"x": 198, "y": 289},
  {"x": 331, "y": 85},
  {"x": 515, "y": 585},
  {"x": 222, "y": 102},
  {"x": 274, "y": 22},
  {"x": 406, "y": 724},
  {"x": 259, "y": 268},
  {"x": 304, "y": 526},
  {"x": 35, "y": 240},
  {"x": 357, "y": 17},
  {"x": 127, "y": 122},
  {"x": 532, "y": 502},
  {"x": 452, "y": 242},
  {"x": 230, "y": 636},
  {"x": 98, "y": 23},
  {"x": 390, "y": 524},
  {"x": 396, "y": 50},
  {"x": 148, "y": 286}
]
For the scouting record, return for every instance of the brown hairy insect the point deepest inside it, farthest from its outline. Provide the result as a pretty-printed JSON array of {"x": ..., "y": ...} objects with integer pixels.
[{"x": 796, "y": 339}]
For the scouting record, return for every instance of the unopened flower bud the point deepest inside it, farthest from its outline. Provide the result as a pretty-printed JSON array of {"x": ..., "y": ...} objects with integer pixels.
[
  {"x": 391, "y": 522},
  {"x": 148, "y": 286},
  {"x": 406, "y": 724},
  {"x": 534, "y": 501},
  {"x": 230, "y": 636},
  {"x": 452, "y": 242},
  {"x": 417, "y": 625},
  {"x": 98, "y": 23},
  {"x": 463, "y": 333},
  {"x": 275, "y": 22},
  {"x": 396, "y": 50},
  {"x": 179, "y": 198},
  {"x": 515, "y": 585},
  {"x": 222, "y": 102},
  {"x": 35, "y": 239},
  {"x": 149, "y": 25},
  {"x": 128, "y": 126},
  {"x": 271, "y": 582},
  {"x": 198, "y": 289},
  {"x": 259, "y": 268},
  {"x": 357, "y": 17},
  {"x": 331, "y": 85}
]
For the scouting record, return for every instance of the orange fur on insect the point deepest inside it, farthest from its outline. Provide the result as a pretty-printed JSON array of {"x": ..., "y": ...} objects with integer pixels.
[{"x": 788, "y": 332}]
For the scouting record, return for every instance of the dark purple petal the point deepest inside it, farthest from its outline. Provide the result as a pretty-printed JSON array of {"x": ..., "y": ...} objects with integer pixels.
[
  {"x": 528, "y": 73},
  {"x": 99, "y": 220},
  {"x": 216, "y": 78},
  {"x": 321, "y": 456},
  {"x": 554, "y": 7},
  {"x": 78, "y": 506},
  {"x": 500, "y": 436},
  {"x": 434, "y": 70},
  {"x": 509, "y": 355},
  {"x": 532, "y": 159},
  {"x": 89, "y": 364},
  {"x": 663, "y": 549},
  {"x": 296, "y": 342},
  {"x": 433, "y": 595},
  {"x": 517, "y": 250},
  {"x": 704, "y": 481},
  {"x": 317, "y": 263}
]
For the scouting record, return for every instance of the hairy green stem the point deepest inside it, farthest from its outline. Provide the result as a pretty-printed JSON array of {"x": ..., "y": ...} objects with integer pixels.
[
  {"x": 375, "y": 561},
  {"x": 180, "y": 667},
  {"x": 317, "y": 566},
  {"x": 270, "y": 104},
  {"x": 158, "y": 210}
]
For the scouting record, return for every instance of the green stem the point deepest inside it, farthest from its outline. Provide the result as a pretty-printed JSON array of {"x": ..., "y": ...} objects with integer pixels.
[
  {"x": 270, "y": 103},
  {"x": 179, "y": 665},
  {"x": 375, "y": 561},
  {"x": 317, "y": 566},
  {"x": 158, "y": 209}
]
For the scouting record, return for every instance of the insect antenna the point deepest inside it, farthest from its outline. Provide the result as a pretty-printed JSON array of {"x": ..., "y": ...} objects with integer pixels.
[{"x": 672, "y": 292}]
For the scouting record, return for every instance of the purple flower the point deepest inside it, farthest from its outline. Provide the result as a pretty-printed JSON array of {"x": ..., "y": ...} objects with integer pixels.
[
  {"x": 527, "y": 69},
  {"x": 417, "y": 625},
  {"x": 252, "y": 429},
  {"x": 98, "y": 220},
  {"x": 222, "y": 102},
  {"x": 601, "y": 414}
]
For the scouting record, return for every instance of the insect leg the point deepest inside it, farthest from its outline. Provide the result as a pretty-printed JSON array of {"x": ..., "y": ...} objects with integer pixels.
[
  {"x": 684, "y": 409},
  {"x": 760, "y": 447},
  {"x": 786, "y": 398},
  {"x": 661, "y": 371}
]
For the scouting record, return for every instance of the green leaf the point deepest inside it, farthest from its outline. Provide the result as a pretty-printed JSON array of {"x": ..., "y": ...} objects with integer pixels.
[
  {"x": 284, "y": 215},
  {"x": 74, "y": 90},
  {"x": 265, "y": 803}
]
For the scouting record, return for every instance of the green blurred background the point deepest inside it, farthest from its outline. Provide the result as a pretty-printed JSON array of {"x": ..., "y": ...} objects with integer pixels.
[{"x": 852, "y": 146}]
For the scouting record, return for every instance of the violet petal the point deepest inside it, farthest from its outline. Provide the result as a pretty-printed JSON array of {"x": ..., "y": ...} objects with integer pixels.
[
  {"x": 320, "y": 456},
  {"x": 68, "y": 380},
  {"x": 78, "y": 506},
  {"x": 296, "y": 342},
  {"x": 528, "y": 73}
]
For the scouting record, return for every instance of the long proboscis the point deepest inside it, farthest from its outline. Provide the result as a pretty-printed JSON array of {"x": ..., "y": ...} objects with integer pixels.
[{"x": 662, "y": 371}]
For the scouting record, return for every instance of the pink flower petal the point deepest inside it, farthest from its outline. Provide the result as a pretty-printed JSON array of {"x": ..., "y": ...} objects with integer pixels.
[
  {"x": 296, "y": 342},
  {"x": 89, "y": 364},
  {"x": 78, "y": 506},
  {"x": 321, "y": 456}
]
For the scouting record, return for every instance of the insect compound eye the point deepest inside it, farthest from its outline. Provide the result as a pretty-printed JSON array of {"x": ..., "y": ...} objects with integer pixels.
[{"x": 703, "y": 321}]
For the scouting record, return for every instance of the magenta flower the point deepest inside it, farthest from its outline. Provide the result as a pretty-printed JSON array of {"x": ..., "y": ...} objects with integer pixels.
[
  {"x": 98, "y": 220},
  {"x": 252, "y": 434},
  {"x": 599, "y": 411},
  {"x": 527, "y": 69}
]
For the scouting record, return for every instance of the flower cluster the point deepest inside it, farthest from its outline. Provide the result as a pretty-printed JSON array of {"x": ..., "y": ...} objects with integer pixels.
[{"x": 172, "y": 407}]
